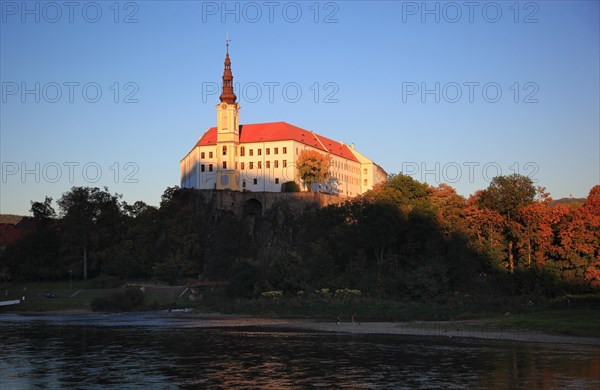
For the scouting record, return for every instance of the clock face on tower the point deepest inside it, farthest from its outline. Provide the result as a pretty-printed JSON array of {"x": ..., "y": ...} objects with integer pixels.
[{"x": 223, "y": 105}]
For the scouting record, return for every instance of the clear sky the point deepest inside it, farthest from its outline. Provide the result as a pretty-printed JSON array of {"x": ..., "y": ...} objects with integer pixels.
[{"x": 115, "y": 94}]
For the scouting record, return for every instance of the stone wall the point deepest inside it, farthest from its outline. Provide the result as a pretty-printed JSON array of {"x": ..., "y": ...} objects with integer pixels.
[{"x": 243, "y": 203}]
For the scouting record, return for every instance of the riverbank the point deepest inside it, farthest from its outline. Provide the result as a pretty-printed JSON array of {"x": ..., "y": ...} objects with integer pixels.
[
  {"x": 458, "y": 329},
  {"x": 512, "y": 321}
]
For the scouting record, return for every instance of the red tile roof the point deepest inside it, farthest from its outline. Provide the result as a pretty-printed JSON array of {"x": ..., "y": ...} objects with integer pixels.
[
  {"x": 282, "y": 131},
  {"x": 13, "y": 227}
]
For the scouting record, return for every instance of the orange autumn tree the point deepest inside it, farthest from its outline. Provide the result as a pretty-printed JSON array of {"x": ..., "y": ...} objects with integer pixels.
[
  {"x": 313, "y": 167},
  {"x": 449, "y": 207},
  {"x": 536, "y": 233},
  {"x": 592, "y": 209},
  {"x": 578, "y": 242}
]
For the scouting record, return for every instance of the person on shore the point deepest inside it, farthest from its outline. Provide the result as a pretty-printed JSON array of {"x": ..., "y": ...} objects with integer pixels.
[{"x": 337, "y": 320}]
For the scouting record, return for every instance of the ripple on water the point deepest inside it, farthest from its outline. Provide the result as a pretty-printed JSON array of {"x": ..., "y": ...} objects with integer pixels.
[{"x": 150, "y": 351}]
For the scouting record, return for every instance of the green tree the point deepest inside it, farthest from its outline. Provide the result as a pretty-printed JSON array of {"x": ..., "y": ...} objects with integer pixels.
[
  {"x": 43, "y": 212},
  {"x": 91, "y": 219},
  {"x": 507, "y": 195}
]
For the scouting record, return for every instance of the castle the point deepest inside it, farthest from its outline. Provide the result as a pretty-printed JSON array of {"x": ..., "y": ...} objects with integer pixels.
[{"x": 261, "y": 157}]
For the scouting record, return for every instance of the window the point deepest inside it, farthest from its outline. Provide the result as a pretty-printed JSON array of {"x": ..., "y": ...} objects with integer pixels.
[
  {"x": 243, "y": 166},
  {"x": 251, "y": 165},
  {"x": 242, "y": 151},
  {"x": 276, "y": 180},
  {"x": 365, "y": 181},
  {"x": 276, "y": 150},
  {"x": 210, "y": 155},
  {"x": 268, "y": 151},
  {"x": 202, "y": 155},
  {"x": 284, "y": 150},
  {"x": 224, "y": 164},
  {"x": 296, "y": 150},
  {"x": 260, "y": 165},
  {"x": 243, "y": 183},
  {"x": 259, "y": 152},
  {"x": 202, "y": 168},
  {"x": 255, "y": 181},
  {"x": 251, "y": 152},
  {"x": 284, "y": 162},
  {"x": 276, "y": 163},
  {"x": 268, "y": 164},
  {"x": 210, "y": 167},
  {"x": 224, "y": 150}
]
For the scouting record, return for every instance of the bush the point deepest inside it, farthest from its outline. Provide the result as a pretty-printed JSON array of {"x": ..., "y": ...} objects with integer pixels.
[
  {"x": 571, "y": 300},
  {"x": 323, "y": 293},
  {"x": 124, "y": 300},
  {"x": 243, "y": 280},
  {"x": 346, "y": 293},
  {"x": 274, "y": 295},
  {"x": 290, "y": 186}
]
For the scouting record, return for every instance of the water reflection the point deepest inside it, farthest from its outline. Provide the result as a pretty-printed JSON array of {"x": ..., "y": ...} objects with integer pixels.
[{"x": 78, "y": 354}]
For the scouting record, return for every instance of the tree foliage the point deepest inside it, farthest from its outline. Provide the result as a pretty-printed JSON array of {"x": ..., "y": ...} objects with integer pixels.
[
  {"x": 313, "y": 167},
  {"x": 508, "y": 194},
  {"x": 403, "y": 239}
]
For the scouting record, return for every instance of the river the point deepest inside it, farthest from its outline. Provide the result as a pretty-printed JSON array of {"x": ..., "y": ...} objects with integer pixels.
[{"x": 154, "y": 350}]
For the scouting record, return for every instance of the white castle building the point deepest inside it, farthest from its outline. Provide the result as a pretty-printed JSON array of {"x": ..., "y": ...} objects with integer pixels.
[{"x": 261, "y": 157}]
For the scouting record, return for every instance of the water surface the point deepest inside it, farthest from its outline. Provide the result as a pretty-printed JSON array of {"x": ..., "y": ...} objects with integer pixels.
[{"x": 161, "y": 351}]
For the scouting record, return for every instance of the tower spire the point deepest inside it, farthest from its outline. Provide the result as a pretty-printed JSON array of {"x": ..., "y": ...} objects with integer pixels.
[{"x": 227, "y": 95}]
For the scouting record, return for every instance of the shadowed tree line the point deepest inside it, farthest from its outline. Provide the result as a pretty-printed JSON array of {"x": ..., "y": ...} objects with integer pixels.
[{"x": 403, "y": 239}]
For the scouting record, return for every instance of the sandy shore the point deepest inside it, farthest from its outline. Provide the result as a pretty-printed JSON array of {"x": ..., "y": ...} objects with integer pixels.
[
  {"x": 441, "y": 329},
  {"x": 476, "y": 329}
]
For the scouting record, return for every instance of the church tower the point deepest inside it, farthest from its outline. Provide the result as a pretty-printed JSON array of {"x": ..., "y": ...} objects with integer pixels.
[{"x": 228, "y": 132}]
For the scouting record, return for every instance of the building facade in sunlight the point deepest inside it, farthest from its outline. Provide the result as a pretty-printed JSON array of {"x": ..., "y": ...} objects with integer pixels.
[{"x": 261, "y": 157}]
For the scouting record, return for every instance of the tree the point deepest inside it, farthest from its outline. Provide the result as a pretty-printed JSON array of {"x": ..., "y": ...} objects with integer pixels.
[
  {"x": 536, "y": 235},
  {"x": 43, "y": 212},
  {"x": 449, "y": 207},
  {"x": 507, "y": 195},
  {"x": 90, "y": 217},
  {"x": 403, "y": 192},
  {"x": 313, "y": 167},
  {"x": 578, "y": 241}
]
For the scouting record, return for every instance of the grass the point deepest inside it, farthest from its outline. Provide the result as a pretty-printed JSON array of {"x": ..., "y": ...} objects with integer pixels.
[
  {"x": 78, "y": 297},
  {"x": 572, "y": 322}
]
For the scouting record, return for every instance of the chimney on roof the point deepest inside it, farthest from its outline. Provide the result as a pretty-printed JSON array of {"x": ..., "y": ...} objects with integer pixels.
[{"x": 352, "y": 145}]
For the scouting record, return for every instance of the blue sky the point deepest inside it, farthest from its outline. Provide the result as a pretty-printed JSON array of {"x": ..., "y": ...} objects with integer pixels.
[{"x": 112, "y": 95}]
